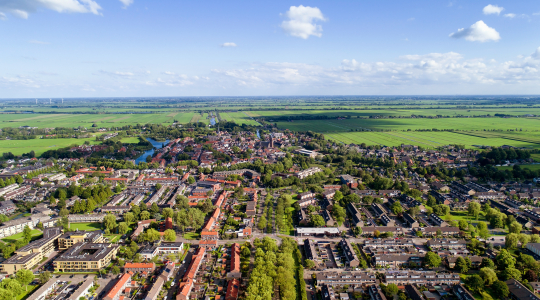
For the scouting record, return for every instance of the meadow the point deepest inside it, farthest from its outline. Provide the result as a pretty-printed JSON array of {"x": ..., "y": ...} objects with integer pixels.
[
  {"x": 238, "y": 117},
  {"x": 18, "y": 147}
]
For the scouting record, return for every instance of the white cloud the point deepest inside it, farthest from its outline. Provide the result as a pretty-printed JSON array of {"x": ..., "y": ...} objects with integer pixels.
[
  {"x": 126, "y": 3},
  {"x": 228, "y": 45},
  {"x": 38, "y": 42},
  {"x": 3, "y": 16},
  {"x": 492, "y": 9},
  {"x": 22, "y": 8},
  {"x": 118, "y": 73},
  {"x": 510, "y": 15},
  {"x": 478, "y": 32},
  {"x": 410, "y": 19},
  {"x": 169, "y": 73},
  {"x": 301, "y": 21},
  {"x": 536, "y": 54}
]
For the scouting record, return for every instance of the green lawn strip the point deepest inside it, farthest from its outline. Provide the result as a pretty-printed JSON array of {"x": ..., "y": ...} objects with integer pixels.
[
  {"x": 191, "y": 235},
  {"x": 25, "y": 294},
  {"x": 18, "y": 236},
  {"x": 85, "y": 226},
  {"x": 130, "y": 140}
]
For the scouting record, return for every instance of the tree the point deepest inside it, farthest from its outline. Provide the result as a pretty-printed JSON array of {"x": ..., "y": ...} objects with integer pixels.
[
  {"x": 262, "y": 223},
  {"x": 483, "y": 230},
  {"x": 414, "y": 211},
  {"x": 109, "y": 222},
  {"x": 432, "y": 259},
  {"x": 123, "y": 228},
  {"x": 504, "y": 260},
  {"x": 145, "y": 215},
  {"x": 27, "y": 233},
  {"x": 487, "y": 263},
  {"x": 309, "y": 264},
  {"x": 475, "y": 283},
  {"x": 461, "y": 265},
  {"x": 317, "y": 221},
  {"x": 515, "y": 227},
  {"x": 191, "y": 180},
  {"x": 182, "y": 202},
  {"x": 5, "y": 294},
  {"x": 488, "y": 275},
  {"x": 500, "y": 289},
  {"x": 524, "y": 239},
  {"x": 115, "y": 270},
  {"x": 154, "y": 209},
  {"x": 170, "y": 235},
  {"x": 167, "y": 212},
  {"x": 64, "y": 212},
  {"x": 510, "y": 273},
  {"x": 474, "y": 209},
  {"x": 392, "y": 289},
  {"x": 535, "y": 238},
  {"x": 129, "y": 217},
  {"x": 463, "y": 225},
  {"x": 11, "y": 285},
  {"x": 397, "y": 209},
  {"x": 441, "y": 209},
  {"x": 24, "y": 276},
  {"x": 338, "y": 196},
  {"x": 511, "y": 240},
  {"x": 151, "y": 235}
]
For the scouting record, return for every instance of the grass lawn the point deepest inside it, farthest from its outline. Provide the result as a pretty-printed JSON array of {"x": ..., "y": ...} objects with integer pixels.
[
  {"x": 535, "y": 156},
  {"x": 130, "y": 140},
  {"x": 85, "y": 226},
  {"x": 19, "y": 147},
  {"x": 25, "y": 294},
  {"x": 113, "y": 237},
  {"x": 20, "y": 235},
  {"x": 191, "y": 235},
  {"x": 462, "y": 215}
]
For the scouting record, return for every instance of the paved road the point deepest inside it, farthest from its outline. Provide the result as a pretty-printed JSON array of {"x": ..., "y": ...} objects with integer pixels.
[{"x": 179, "y": 274}]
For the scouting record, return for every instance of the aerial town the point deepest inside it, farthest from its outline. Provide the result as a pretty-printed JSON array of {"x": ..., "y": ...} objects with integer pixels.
[{"x": 236, "y": 216}]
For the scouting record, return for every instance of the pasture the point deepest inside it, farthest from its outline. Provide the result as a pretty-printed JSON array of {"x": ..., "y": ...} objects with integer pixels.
[
  {"x": 239, "y": 118},
  {"x": 18, "y": 147}
]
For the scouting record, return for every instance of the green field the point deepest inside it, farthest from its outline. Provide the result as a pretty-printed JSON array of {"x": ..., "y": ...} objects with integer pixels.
[
  {"x": 130, "y": 140},
  {"x": 530, "y": 167},
  {"x": 18, "y": 236},
  {"x": 87, "y": 120},
  {"x": 85, "y": 226},
  {"x": 238, "y": 117},
  {"x": 18, "y": 147}
]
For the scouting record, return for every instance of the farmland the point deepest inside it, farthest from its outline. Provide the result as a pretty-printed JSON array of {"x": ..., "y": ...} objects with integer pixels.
[
  {"x": 87, "y": 120},
  {"x": 18, "y": 147},
  {"x": 238, "y": 117}
]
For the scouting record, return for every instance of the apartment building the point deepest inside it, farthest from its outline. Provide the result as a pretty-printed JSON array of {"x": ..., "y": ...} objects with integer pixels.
[
  {"x": 69, "y": 239},
  {"x": 83, "y": 291},
  {"x": 307, "y": 172},
  {"x": 234, "y": 266},
  {"x": 151, "y": 251},
  {"x": 85, "y": 257}
]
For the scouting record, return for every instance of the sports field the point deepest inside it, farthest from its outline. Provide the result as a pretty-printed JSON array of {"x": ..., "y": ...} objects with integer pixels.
[
  {"x": 85, "y": 226},
  {"x": 18, "y": 147}
]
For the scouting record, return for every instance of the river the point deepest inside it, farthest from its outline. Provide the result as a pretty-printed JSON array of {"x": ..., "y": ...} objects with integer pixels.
[{"x": 157, "y": 145}]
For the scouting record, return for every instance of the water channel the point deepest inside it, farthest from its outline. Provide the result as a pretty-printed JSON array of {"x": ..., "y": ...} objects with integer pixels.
[{"x": 157, "y": 145}]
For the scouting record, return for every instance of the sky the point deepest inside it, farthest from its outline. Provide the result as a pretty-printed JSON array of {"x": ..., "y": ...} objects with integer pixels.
[{"x": 166, "y": 48}]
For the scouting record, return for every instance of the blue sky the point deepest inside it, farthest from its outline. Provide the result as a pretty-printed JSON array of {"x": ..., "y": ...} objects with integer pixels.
[{"x": 100, "y": 48}]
